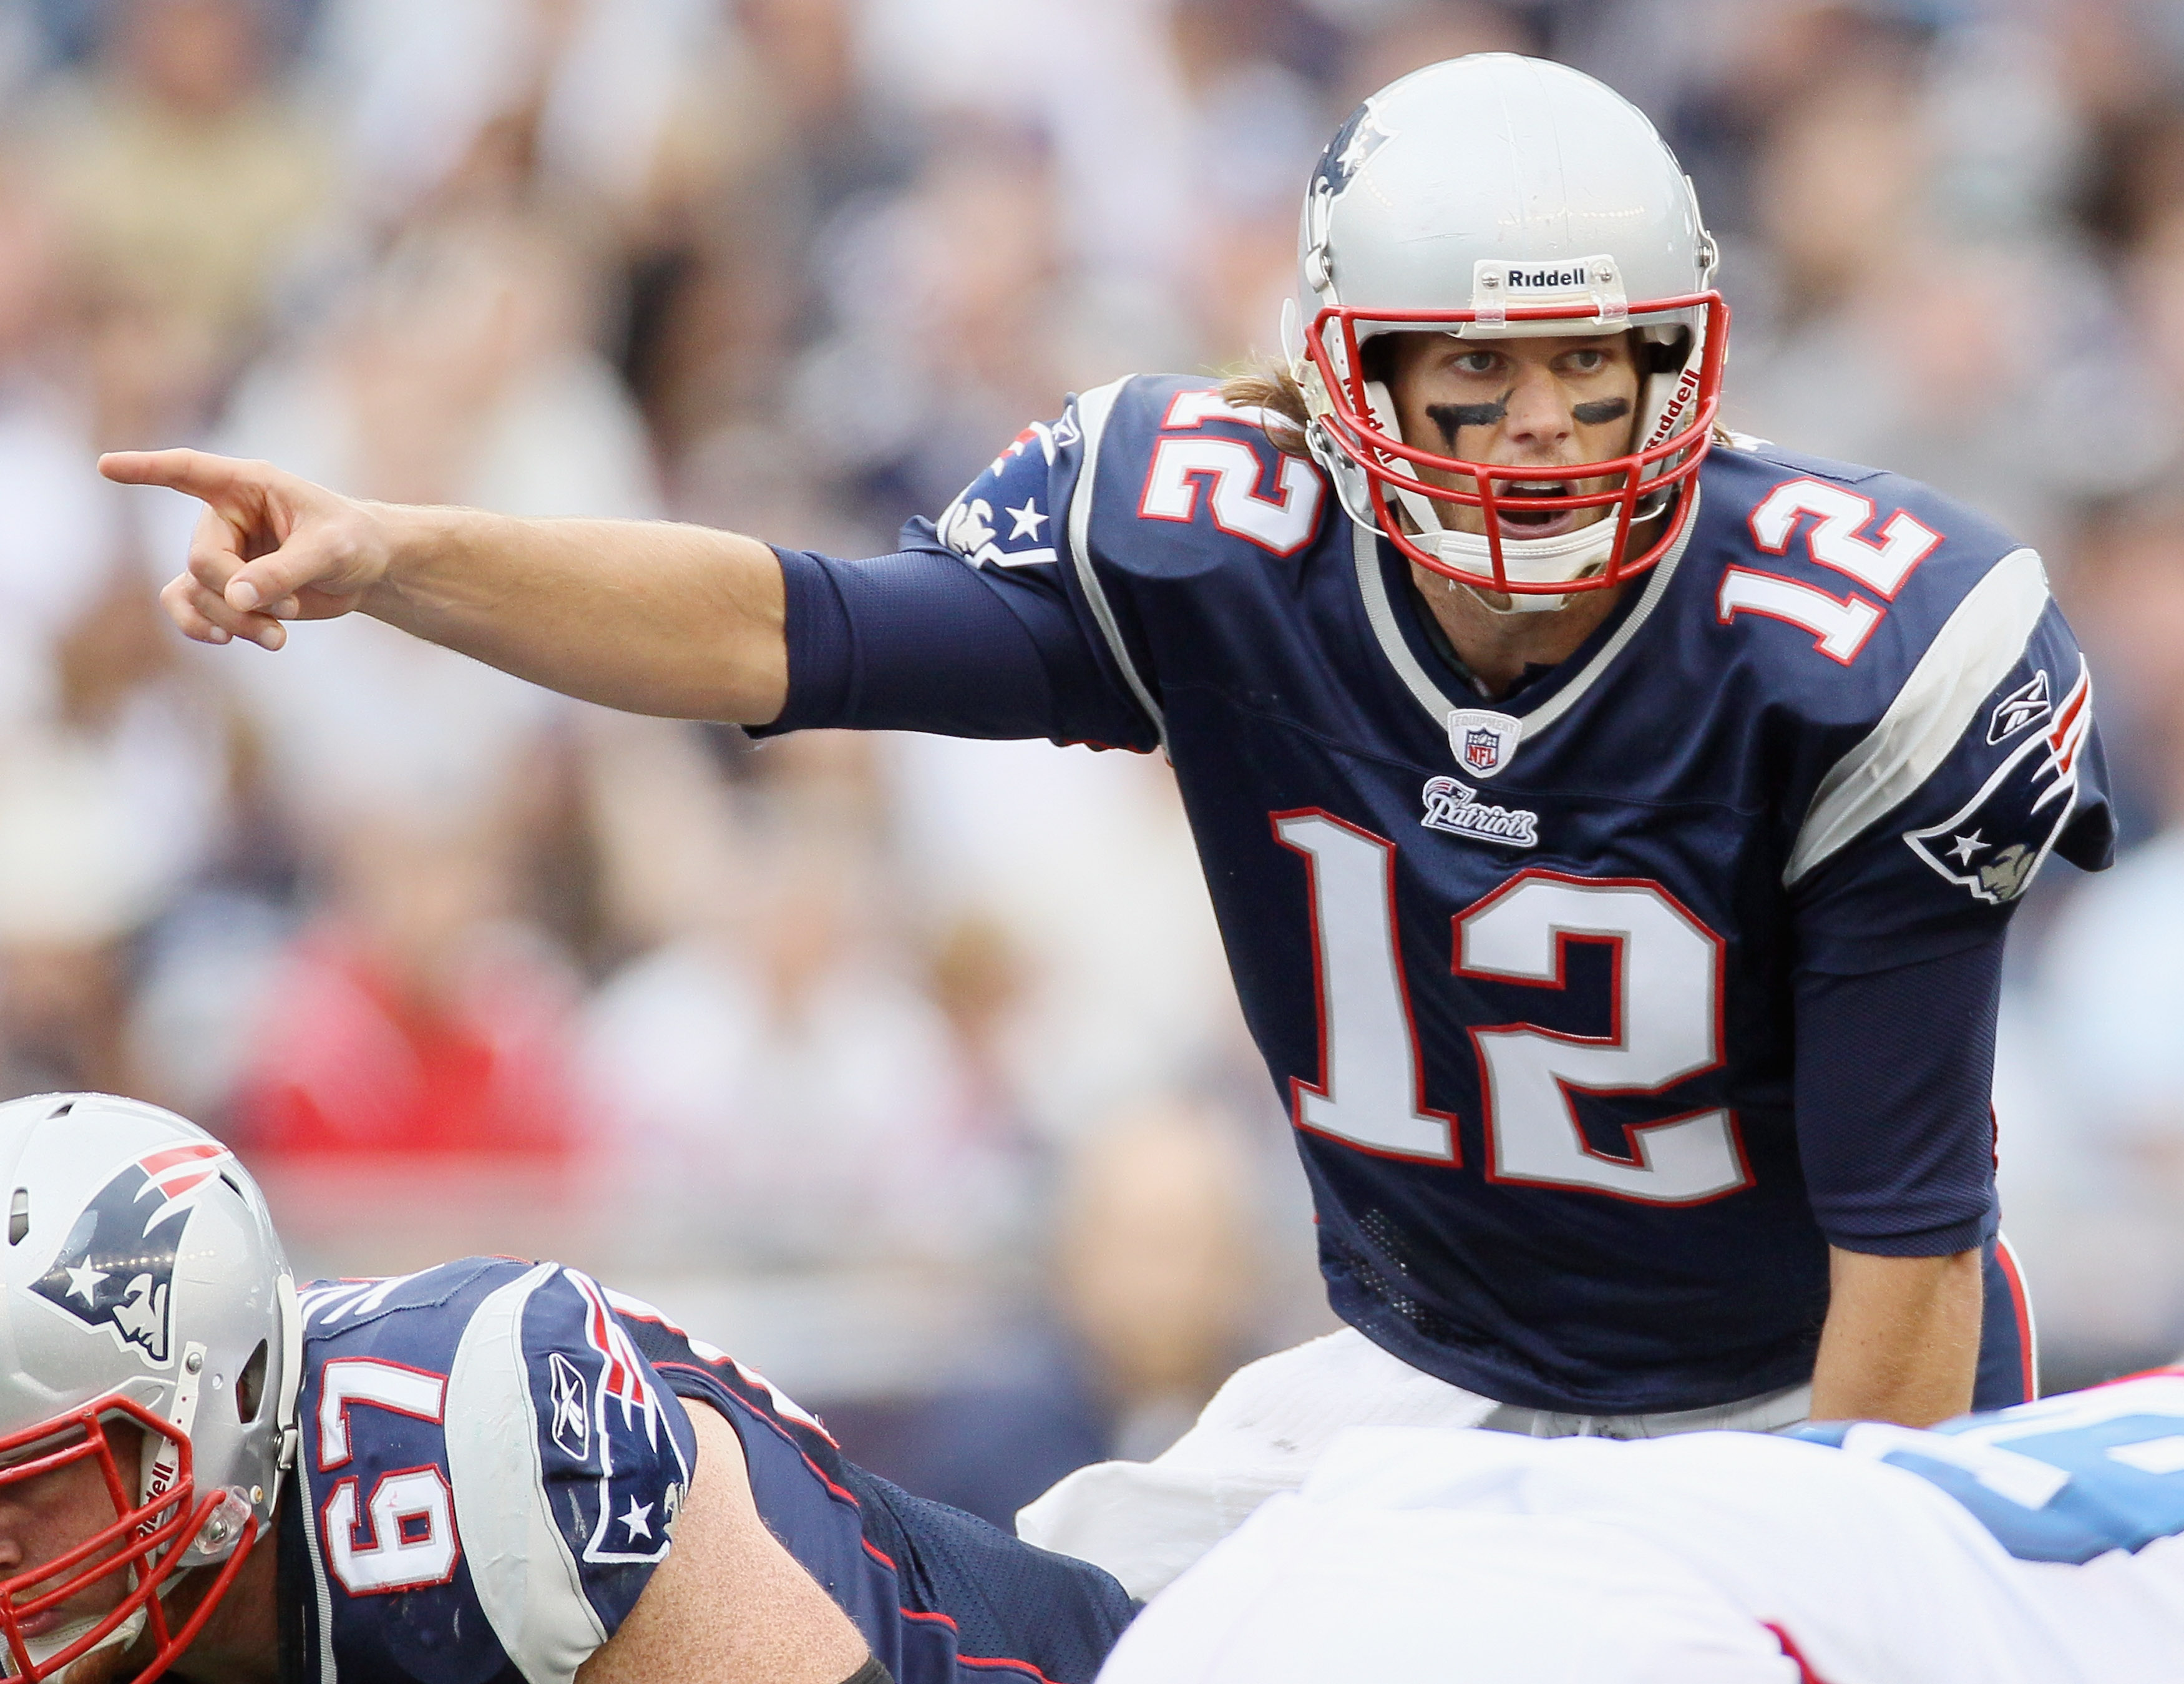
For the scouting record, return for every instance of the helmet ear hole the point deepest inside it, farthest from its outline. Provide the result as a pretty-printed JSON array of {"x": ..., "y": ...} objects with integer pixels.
[
  {"x": 250, "y": 1385},
  {"x": 19, "y": 1216}
]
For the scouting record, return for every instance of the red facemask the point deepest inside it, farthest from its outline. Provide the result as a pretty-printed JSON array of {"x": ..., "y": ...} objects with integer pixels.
[
  {"x": 1679, "y": 437},
  {"x": 143, "y": 1542}
]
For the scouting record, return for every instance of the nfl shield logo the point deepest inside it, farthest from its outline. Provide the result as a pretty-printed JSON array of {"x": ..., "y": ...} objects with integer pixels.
[{"x": 1484, "y": 741}]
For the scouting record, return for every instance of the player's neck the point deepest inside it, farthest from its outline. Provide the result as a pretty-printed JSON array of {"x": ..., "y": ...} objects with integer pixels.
[
  {"x": 241, "y": 1642},
  {"x": 1496, "y": 648}
]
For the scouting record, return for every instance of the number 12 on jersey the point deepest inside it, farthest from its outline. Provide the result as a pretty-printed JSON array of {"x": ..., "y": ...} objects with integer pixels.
[{"x": 1665, "y": 1028}]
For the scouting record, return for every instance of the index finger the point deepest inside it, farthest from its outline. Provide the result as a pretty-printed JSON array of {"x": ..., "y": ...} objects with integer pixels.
[{"x": 198, "y": 473}]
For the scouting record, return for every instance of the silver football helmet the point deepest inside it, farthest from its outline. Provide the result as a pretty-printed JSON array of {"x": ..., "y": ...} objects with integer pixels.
[
  {"x": 1498, "y": 197},
  {"x": 145, "y": 1289}
]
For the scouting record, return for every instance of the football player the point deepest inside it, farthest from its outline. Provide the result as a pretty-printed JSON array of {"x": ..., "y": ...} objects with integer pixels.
[
  {"x": 2043, "y": 1544},
  {"x": 491, "y": 1470},
  {"x": 1612, "y": 825}
]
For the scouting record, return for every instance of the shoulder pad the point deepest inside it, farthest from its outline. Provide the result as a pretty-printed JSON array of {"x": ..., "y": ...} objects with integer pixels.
[
  {"x": 542, "y": 1462},
  {"x": 1007, "y": 516},
  {"x": 1185, "y": 482},
  {"x": 1866, "y": 570}
]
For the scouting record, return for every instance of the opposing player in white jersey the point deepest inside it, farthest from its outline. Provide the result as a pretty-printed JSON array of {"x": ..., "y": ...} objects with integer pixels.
[{"x": 2043, "y": 1544}]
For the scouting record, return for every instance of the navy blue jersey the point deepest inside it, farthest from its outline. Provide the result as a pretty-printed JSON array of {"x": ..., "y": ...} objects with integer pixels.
[
  {"x": 1530, "y": 972},
  {"x": 494, "y": 1454}
]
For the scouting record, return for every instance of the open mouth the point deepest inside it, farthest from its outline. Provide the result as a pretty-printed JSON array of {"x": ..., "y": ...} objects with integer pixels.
[{"x": 1536, "y": 522}]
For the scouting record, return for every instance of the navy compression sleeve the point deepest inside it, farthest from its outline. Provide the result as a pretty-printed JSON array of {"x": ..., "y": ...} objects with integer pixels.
[
  {"x": 1895, "y": 1081},
  {"x": 918, "y": 641}
]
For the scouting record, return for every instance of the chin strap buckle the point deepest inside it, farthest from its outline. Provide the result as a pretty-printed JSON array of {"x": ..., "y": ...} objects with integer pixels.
[{"x": 226, "y": 1524}]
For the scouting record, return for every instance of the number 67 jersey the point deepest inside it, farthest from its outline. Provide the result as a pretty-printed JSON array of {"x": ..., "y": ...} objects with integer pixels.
[
  {"x": 492, "y": 1457},
  {"x": 1542, "y": 978}
]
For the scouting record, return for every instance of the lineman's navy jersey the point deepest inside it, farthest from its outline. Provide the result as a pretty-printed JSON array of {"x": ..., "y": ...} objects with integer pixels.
[
  {"x": 492, "y": 1457},
  {"x": 1526, "y": 971}
]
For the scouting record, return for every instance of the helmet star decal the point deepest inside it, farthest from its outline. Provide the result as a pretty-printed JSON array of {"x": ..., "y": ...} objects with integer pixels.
[{"x": 116, "y": 1268}]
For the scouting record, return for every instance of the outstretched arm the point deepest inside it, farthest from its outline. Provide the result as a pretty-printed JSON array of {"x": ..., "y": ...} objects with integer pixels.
[{"x": 647, "y": 616}]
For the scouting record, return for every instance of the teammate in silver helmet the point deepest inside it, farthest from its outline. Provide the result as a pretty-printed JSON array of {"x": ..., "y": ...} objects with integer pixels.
[
  {"x": 486, "y": 1470},
  {"x": 151, "y": 1378}
]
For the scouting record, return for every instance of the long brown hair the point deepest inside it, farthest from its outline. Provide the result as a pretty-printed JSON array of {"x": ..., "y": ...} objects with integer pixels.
[{"x": 1269, "y": 386}]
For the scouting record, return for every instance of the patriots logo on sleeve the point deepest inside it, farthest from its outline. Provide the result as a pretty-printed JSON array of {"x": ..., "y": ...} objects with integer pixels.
[
  {"x": 1004, "y": 518},
  {"x": 116, "y": 1268},
  {"x": 613, "y": 1425},
  {"x": 1992, "y": 846}
]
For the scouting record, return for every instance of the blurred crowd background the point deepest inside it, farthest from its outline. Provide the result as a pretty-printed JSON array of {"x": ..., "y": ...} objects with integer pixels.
[{"x": 909, "y": 1069}]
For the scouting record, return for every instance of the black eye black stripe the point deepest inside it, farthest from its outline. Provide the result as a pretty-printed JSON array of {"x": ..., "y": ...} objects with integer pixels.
[{"x": 1453, "y": 418}]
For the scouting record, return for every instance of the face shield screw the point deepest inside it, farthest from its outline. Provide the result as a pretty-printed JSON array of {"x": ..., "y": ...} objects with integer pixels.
[
  {"x": 194, "y": 1361},
  {"x": 257, "y": 1495},
  {"x": 215, "y": 1533}
]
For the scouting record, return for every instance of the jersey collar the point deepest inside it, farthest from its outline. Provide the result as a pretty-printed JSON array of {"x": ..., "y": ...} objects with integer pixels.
[{"x": 1538, "y": 705}]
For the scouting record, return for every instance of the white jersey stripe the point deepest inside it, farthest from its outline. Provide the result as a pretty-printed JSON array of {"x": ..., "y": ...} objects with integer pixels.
[
  {"x": 1970, "y": 655},
  {"x": 509, "y": 1538},
  {"x": 1093, "y": 409}
]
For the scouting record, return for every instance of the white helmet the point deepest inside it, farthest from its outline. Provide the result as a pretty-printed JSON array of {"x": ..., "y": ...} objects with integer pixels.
[
  {"x": 144, "y": 1287},
  {"x": 1500, "y": 197}
]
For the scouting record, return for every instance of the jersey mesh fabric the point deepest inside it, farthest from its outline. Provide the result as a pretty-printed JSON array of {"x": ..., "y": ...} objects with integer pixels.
[
  {"x": 917, "y": 642},
  {"x": 1871, "y": 1067},
  {"x": 999, "y": 1597}
]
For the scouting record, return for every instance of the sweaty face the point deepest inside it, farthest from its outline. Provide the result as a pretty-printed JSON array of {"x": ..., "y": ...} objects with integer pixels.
[{"x": 1545, "y": 403}]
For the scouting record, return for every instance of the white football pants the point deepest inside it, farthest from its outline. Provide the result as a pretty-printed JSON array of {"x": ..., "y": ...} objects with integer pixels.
[{"x": 1145, "y": 1522}]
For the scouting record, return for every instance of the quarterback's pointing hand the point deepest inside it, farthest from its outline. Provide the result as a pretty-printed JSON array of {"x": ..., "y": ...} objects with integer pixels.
[{"x": 270, "y": 547}]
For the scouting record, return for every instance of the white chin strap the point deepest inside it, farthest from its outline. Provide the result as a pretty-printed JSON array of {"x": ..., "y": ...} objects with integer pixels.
[
  {"x": 1563, "y": 559},
  {"x": 43, "y": 1649}
]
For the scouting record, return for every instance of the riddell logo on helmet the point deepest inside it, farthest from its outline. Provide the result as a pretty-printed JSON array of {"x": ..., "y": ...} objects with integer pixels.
[
  {"x": 1687, "y": 388},
  {"x": 1552, "y": 277}
]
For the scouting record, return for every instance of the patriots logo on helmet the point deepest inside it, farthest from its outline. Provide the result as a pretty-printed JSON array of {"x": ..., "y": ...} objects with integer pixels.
[
  {"x": 116, "y": 1268},
  {"x": 1363, "y": 133}
]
